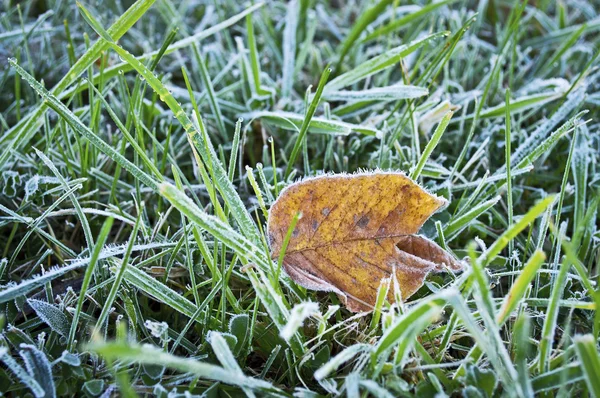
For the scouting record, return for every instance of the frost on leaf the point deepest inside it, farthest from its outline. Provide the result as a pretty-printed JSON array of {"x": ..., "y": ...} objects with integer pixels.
[
  {"x": 51, "y": 315},
  {"x": 354, "y": 231}
]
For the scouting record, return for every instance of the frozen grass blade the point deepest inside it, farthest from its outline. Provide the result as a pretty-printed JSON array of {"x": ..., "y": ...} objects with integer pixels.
[
  {"x": 314, "y": 103},
  {"x": 39, "y": 367},
  {"x": 145, "y": 354},
  {"x": 555, "y": 378},
  {"x": 407, "y": 19},
  {"x": 297, "y": 316},
  {"x": 273, "y": 303},
  {"x": 511, "y": 301},
  {"x": 378, "y": 63},
  {"x": 558, "y": 287},
  {"x": 293, "y": 121},
  {"x": 459, "y": 223},
  {"x": 217, "y": 228},
  {"x": 435, "y": 138},
  {"x": 408, "y": 326},
  {"x": 114, "y": 290},
  {"x": 515, "y": 229},
  {"x": 162, "y": 293},
  {"x": 334, "y": 363},
  {"x": 289, "y": 48},
  {"x": 21, "y": 374},
  {"x": 359, "y": 26},
  {"x": 507, "y": 155},
  {"x": 23, "y": 132},
  {"x": 87, "y": 279},
  {"x": 520, "y": 286},
  {"x": 382, "y": 292},
  {"x": 14, "y": 291},
  {"x": 587, "y": 351},
  {"x": 390, "y": 93},
  {"x": 198, "y": 138},
  {"x": 82, "y": 218},
  {"x": 208, "y": 84},
  {"x": 225, "y": 356},
  {"x": 122, "y": 67},
  {"x": 78, "y": 126}
]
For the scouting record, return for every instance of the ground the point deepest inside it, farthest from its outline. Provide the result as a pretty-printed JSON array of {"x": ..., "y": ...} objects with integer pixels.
[{"x": 143, "y": 143}]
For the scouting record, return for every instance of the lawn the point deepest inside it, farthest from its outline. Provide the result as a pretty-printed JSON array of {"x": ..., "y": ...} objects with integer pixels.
[{"x": 143, "y": 144}]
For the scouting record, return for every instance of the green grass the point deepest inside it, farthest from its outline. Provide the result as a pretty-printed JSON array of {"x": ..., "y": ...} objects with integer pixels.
[{"x": 142, "y": 145}]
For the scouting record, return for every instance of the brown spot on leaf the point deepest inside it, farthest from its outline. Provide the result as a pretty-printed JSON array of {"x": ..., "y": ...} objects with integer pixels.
[{"x": 362, "y": 222}]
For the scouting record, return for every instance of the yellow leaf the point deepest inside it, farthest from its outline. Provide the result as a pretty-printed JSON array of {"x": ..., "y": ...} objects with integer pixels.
[{"x": 354, "y": 231}]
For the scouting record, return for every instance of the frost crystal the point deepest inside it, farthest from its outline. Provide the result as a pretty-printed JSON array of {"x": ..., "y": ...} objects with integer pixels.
[{"x": 157, "y": 329}]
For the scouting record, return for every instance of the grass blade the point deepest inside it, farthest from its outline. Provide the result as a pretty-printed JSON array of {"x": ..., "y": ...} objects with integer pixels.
[
  {"x": 87, "y": 279},
  {"x": 153, "y": 356},
  {"x": 587, "y": 351}
]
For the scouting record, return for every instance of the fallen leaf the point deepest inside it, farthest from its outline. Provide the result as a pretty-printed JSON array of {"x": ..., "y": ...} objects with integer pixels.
[{"x": 354, "y": 231}]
